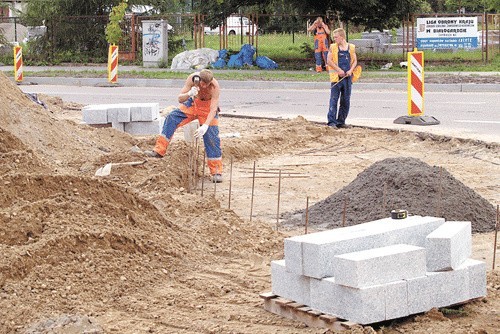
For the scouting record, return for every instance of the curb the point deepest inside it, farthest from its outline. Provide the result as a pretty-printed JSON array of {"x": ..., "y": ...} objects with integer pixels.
[{"x": 174, "y": 83}]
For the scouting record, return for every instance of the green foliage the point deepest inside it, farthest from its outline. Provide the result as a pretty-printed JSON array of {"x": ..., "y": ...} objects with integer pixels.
[
  {"x": 473, "y": 6},
  {"x": 113, "y": 29}
]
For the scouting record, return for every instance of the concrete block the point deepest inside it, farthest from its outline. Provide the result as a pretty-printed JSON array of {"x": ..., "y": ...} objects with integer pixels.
[
  {"x": 144, "y": 112},
  {"x": 118, "y": 113},
  {"x": 449, "y": 246},
  {"x": 118, "y": 126},
  {"x": 379, "y": 265},
  {"x": 419, "y": 294},
  {"x": 325, "y": 294},
  {"x": 95, "y": 114},
  {"x": 145, "y": 128},
  {"x": 314, "y": 257},
  {"x": 289, "y": 285},
  {"x": 366, "y": 305},
  {"x": 438, "y": 289},
  {"x": 477, "y": 277},
  {"x": 363, "y": 306},
  {"x": 396, "y": 300}
]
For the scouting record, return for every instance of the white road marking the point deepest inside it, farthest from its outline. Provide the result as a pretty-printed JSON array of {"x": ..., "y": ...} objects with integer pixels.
[{"x": 467, "y": 121}]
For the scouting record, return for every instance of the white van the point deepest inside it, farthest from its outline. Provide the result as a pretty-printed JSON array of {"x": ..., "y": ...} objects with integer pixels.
[{"x": 236, "y": 25}]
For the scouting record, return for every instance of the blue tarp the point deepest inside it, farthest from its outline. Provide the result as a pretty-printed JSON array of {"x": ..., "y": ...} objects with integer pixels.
[
  {"x": 244, "y": 57},
  {"x": 266, "y": 63}
]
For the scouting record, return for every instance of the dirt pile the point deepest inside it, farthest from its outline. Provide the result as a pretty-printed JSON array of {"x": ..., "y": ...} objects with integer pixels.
[
  {"x": 401, "y": 183},
  {"x": 139, "y": 252}
]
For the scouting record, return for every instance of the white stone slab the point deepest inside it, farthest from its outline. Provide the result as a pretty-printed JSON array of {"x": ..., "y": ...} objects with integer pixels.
[
  {"x": 118, "y": 113},
  {"x": 145, "y": 128},
  {"x": 477, "y": 277},
  {"x": 379, "y": 265},
  {"x": 312, "y": 254},
  {"x": 438, "y": 289},
  {"x": 289, "y": 285},
  {"x": 449, "y": 246},
  {"x": 95, "y": 114},
  {"x": 396, "y": 300},
  {"x": 118, "y": 126},
  {"x": 144, "y": 112}
]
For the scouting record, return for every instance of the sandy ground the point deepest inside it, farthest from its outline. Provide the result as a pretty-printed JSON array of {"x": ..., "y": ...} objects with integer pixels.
[{"x": 144, "y": 251}]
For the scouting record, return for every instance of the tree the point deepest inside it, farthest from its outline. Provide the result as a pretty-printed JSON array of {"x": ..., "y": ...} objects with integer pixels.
[
  {"x": 113, "y": 29},
  {"x": 473, "y": 6},
  {"x": 380, "y": 14}
]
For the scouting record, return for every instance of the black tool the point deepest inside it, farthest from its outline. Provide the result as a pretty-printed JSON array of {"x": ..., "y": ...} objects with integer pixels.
[{"x": 399, "y": 214}]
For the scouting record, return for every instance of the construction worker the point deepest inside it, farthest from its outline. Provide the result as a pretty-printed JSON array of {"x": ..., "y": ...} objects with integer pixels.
[
  {"x": 321, "y": 44},
  {"x": 199, "y": 99},
  {"x": 342, "y": 61}
]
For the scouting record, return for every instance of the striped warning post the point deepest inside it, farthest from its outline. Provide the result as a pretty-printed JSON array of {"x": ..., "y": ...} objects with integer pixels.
[
  {"x": 18, "y": 63},
  {"x": 415, "y": 83},
  {"x": 113, "y": 64}
]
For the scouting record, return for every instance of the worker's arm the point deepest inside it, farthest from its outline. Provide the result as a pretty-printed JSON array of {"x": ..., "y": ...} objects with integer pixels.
[
  {"x": 184, "y": 95},
  {"x": 312, "y": 27},
  {"x": 327, "y": 29},
  {"x": 354, "y": 63},
  {"x": 214, "y": 104}
]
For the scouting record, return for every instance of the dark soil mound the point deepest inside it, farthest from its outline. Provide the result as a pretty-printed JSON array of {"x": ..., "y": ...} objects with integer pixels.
[{"x": 401, "y": 183}]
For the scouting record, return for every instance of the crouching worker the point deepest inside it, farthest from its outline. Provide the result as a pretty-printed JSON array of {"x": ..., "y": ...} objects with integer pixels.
[{"x": 199, "y": 99}]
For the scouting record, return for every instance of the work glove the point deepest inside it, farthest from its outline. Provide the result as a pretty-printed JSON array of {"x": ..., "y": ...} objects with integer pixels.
[
  {"x": 201, "y": 131},
  {"x": 193, "y": 91}
]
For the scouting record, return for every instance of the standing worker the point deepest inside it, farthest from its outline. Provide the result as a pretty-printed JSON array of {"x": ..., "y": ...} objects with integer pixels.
[
  {"x": 342, "y": 61},
  {"x": 321, "y": 44},
  {"x": 199, "y": 99}
]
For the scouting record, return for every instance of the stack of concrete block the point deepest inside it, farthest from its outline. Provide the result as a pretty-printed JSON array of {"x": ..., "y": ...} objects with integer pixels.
[
  {"x": 381, "y": 270},
  {"x": 134, "y": 118}
]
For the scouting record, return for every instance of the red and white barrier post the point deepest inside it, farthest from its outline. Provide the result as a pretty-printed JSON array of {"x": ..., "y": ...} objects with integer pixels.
[
  {"x": 18, "y": 63},
  {"x": 416, "y": 92},
  {"x": 113, "y": 63},
  {"x": 415, "y": 83}
]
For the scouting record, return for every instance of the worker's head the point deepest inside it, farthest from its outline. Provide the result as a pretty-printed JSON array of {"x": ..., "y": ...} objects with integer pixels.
[
  {"x": 319, "y": 20},
  {"x": 206, "y": 77},
  {"x": 338, "y": 35}
]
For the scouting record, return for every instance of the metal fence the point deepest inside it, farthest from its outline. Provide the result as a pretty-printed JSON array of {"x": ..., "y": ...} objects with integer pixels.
[{"x": 280, "y": 37}]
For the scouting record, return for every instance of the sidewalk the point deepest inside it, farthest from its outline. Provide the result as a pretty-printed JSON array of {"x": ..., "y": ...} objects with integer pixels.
[{"x": 70, "y": 80}]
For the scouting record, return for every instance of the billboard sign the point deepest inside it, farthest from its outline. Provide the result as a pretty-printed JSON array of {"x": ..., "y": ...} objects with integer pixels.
[{"x": 447, "y": 33}]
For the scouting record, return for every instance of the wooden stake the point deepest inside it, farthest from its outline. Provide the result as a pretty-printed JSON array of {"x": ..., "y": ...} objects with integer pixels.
[
  {"x": 384, "y": 199},
  {"x": 203, "y": 176},
  {"x": 344, "y": 211},
  {"x": 495, "y": 243},
  {"x": 307, "y": 213},
  {"x": 279, "y": 195},
  {"x": 438, "y": 204},
  {"x": 253, "y": 188},
  {"x": 230, "y": 182}
]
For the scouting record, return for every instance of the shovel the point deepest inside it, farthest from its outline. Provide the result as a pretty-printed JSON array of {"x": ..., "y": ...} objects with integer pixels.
[{"x": 106, "y": 169}]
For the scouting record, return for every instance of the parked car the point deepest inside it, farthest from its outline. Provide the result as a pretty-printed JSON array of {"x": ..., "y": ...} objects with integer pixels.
[{"x": 236, "y": 25}]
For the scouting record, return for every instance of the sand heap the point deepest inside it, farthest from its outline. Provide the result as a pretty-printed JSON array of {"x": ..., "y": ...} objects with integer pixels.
[
  {"x": 75, "y": 246},
  {"x": 401, "y": 183}
]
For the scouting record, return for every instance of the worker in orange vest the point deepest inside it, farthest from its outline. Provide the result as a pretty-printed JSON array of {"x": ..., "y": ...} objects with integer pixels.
[{"x": 321, "y": 43}]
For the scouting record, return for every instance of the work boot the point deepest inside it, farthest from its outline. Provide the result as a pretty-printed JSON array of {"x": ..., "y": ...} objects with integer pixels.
[
  {"x": 344, "y": 126},
  {"x": 152, "y": 154},
  {"x": 319, "y": 68},
  {"x": 217, "y": 178}
]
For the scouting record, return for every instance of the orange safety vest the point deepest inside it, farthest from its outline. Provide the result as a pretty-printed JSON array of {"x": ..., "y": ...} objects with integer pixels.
[
  {"x": 334, "y": 54},
  {"x": 320, "y": 33}
]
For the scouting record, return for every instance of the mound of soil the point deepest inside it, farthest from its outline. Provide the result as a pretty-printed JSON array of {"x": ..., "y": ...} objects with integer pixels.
[
  {"x": 138, "y": 251},
  {"x": 400, "y": 183}
]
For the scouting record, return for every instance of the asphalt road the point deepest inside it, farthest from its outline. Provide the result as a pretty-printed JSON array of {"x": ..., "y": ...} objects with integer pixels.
[{"x": 461, "y": 114}]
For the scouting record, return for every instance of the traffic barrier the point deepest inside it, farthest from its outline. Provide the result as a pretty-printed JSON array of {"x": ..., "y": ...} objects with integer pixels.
[
  {"x": 113, "y": 63},
  {"x": 18, "y": 63},
  {"x": 416, "y": 83}
]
